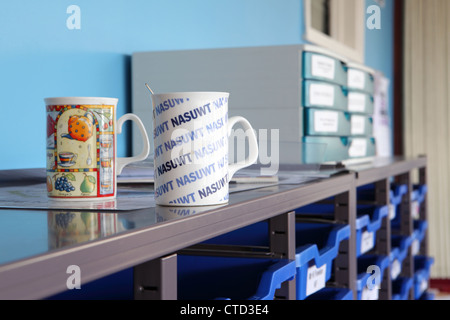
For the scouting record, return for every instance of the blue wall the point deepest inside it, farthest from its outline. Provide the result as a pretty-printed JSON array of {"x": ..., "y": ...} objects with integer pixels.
[
  {"x": 40, "y": 57},
  {"x": 379, "y": 49}
]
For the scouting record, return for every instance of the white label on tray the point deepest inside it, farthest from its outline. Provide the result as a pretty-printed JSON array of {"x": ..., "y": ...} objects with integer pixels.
[
  {"x": 326, "y": 121},
  {"x": 358, "y": 124},
  {"x": 415, "y": 210},
  {"x": 423, "y": 285},
  {"x": 370, "y": 294},
  {"x": 358, "y": 148},
  {"x": 367, "y": 242},
  {"x": 321, "y": 95},
  {"x": 322, "y": 67},
  {"x": 315, "y": 279},
  {"x": 396, "y": 268},
  {"x": 356, "y": 79},
  {"x": 392, "y": 212},
  {"x": 415, "y": 247},
  {"x": 356, "y": 102}
]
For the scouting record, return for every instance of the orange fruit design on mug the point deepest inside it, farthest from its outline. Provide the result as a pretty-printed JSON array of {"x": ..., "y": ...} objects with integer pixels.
[{"x": 80, "y": 128}]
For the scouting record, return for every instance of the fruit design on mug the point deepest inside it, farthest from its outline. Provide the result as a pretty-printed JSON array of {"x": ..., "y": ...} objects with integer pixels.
[
  {"x": 64, "y": 182},
  {"x": 88, "y": 184},
  {"x": 80, "y": 128}
]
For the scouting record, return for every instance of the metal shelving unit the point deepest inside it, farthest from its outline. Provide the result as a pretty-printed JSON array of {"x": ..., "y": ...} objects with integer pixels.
[{"x": 150, "y": 247}]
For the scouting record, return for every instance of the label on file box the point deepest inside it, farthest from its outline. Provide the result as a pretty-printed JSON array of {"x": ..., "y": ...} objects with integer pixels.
[
  {"x": 326, "y": 121},
  {"x": 356, "y": 79},
  {"x": 358, "y": 148},
  {"x": 321, "y": 94},
  {"x": 370, "y": 294},
  {"x": 367, "y": 242},
  {"x": 315, "y": 279},
  {"x": 358, "y": 124},
  {"x": 356, "y": 102},
  {"x": 322, "y": 67}
]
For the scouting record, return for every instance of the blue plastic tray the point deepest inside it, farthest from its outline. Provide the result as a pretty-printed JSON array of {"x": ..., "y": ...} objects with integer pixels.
[
  {"x": 419, "y": 192},
  {"x": 427, "y": 296},
  {"x": 208, "y": 277},
  {"x": 396, "y": 192},
  {"x": 418, "y": 196},
  {"x": 364, "y": 274},
  {"x": 422, "y": 266},
  {"x": 332, "y": 294},
  {"x": 317, "y": 245},
  {"x": 399, "y": 250},
  {"x": 401, "y": 287},
  {"x": 368, "y": 222},
  {"x": 420, "y": 229}
]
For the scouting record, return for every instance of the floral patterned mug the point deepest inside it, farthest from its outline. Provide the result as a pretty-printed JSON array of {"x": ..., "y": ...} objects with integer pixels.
[{"x": 82, "y": 162}]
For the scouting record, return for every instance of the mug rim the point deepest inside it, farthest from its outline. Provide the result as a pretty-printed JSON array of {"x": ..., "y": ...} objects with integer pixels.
[
  {"x": 192, "y": 93},
  {"x": 81, "y": 100}
]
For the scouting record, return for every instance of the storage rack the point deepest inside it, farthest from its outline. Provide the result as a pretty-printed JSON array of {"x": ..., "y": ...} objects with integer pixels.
[{"x": 151, "y": 248}]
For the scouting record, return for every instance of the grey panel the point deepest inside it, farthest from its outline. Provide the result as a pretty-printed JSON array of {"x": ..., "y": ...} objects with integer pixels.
[{"x": 260, "y": 78}]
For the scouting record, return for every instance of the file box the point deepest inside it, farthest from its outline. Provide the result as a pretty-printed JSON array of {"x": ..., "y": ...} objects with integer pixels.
[
  {"x": 361, "y": 125},
  {"x": 422, "y": 266},
  {"x": 399, "y": 250},
  {"x": 324, "y": 122},
  {"x": 368, "y": 283},
  {"x": 360, "y": 102},
  {"x": 321, "y": 64},
  {"x": 336, "y": 149},
  {"x": 323, "y": 94},
  {"x": 332, "y": 294},
  {"x": 360, "y": 77},
  {"x": 211, "y": 277},
  {"x": 401, "y": 287},
  {"x": 359, "y": 147}
]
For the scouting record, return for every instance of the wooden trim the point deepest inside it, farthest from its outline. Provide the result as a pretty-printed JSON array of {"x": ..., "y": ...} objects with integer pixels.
[
  {"x": 398, "y": 78},
  {"x": 335, "y": 44}
]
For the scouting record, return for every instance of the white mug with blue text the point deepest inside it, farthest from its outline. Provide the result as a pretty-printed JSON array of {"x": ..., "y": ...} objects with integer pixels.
[{"x": 190, "y": 134}]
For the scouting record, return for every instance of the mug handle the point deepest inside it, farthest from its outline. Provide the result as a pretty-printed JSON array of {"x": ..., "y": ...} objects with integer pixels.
[
  {"x": 122, "y": 162},
  {"x": 253, "y": 145}
]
